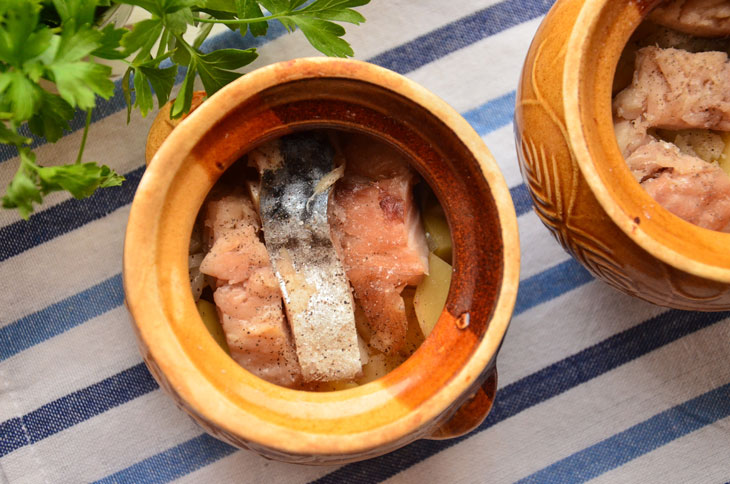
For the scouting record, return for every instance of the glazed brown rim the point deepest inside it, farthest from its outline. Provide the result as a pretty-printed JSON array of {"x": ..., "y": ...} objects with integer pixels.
[
  {"x": 180, "y": 368},
  {"x": 601, "y": 31}
]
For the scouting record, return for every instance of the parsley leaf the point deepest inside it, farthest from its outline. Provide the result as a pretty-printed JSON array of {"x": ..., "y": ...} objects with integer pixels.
[
  {"x": 142, "y": 93},
  {"x": 19, "y": 37},
  {"x": 215, "y": 69},
  {"x": 20, "y": 95},
  {"x": 78, "y": 82},
  {"x": 52, "y": 117},
  {"x": 109, "y": 43},
  {"x": 81, "y": 179},
  {"x": 251, "y": 9},
  {"x": 8, "y": 136},
  {"x": 127, "y": 93},
  {"x": 32, "y": 181},
  {"x": 324, "y": 35},
  {"x": 161, "y": 80},
  {"x": 142, "y": 37},
  {"x": 316, "y": 21},
  {"x": 22, "y": 191},
  {"x": 185, "y": 95}
]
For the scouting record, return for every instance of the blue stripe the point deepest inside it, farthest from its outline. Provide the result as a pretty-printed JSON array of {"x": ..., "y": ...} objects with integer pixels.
[
  {"x": 550, "y": 283},
  {"x": 173, "y": 463},
  {"x": 521, "y": 198},
  {"x": 12, "y": 436},
  {"x": 107, "y": 107},
  {"x": 60, "y": 317},
  {"x": 66, "y": 216},
  {"x": 75, "y": 408},
  {"x": 638, "y": 440},
  {"x": 493, "y": 114},
  {"x": 461, "y": 33},
  {"x": 541, "y": 386},
  {"x": 512, "y": 399}
]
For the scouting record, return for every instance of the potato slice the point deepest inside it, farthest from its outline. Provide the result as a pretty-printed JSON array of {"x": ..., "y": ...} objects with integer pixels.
[
  {"x": 437, "y": 230},
  {"x": 209, "y": 315},
  {"x": 724, "y": 159},
  {"x": 378, "y": 365},
  {"x": 431, "y": 293},
  {"x": 702, "y": 143}
]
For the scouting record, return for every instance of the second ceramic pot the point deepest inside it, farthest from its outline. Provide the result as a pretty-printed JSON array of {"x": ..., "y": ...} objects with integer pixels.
[{"x": 581, "y": 187}]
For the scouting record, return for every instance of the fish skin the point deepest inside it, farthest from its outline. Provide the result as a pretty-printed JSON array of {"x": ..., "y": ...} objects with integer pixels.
[
  {"x": 377, "y": 227},
  {"x": 247, "y": 294},
  {"x": 316, "y": 292}
]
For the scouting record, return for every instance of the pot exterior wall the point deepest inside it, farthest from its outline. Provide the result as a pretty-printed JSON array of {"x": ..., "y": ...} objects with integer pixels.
[{"x": 564, "y": 201}]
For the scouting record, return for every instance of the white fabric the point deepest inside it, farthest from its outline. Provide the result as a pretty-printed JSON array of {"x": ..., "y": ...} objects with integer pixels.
[{"x": 52, "y": 282}]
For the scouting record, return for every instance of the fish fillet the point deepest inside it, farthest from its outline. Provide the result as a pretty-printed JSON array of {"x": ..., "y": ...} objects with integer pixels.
[
  {"x": 377, "y": 226},
  {"x": 247, "y": 294},
  {"x": 316, "y": 292}
]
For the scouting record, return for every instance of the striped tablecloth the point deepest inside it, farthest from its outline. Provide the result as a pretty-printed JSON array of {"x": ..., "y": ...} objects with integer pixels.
[{"x": 593, "y": 384}]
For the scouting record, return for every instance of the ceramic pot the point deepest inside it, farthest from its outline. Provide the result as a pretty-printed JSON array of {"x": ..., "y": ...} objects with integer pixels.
[
  {"x": 446, "y": 387},
  {"x": 581, "y": 187}
]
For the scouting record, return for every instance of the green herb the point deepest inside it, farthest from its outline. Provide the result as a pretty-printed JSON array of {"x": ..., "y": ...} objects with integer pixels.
[{"x": 48, "y": 69}]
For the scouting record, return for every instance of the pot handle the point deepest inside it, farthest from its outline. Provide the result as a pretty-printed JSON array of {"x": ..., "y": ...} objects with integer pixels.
[{"x": 471, "y": 413}]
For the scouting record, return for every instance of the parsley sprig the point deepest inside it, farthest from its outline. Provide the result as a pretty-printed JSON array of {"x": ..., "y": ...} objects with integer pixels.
[{"x": 49, "y": 69}]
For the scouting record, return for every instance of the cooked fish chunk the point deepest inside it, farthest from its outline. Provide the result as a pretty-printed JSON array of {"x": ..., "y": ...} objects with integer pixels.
[
  {"x": 248, "y": 297},
  {"x": 652, "y": 34},
  {"x": 372, "y": 160},
  {"x": 226, "y": 212},
  {"x": 376, "y": 223},
  {"x": 316, "y": 292},
  {"x": 692, "y": 189},
  {"x": 630, "y": 135},
  {"x": 235, "y": 255},
  {"x": 676, "y": 89},
  {"x": 710, "y": 18}
]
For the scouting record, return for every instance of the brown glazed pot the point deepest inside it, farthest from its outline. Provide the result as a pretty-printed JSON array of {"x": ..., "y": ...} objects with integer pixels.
[
  {"x": 581, "y": 187},
  {"x": 446, "y": 387}
]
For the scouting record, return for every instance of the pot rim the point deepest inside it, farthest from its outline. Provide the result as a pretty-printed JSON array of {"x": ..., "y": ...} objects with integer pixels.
[
  {"x": 682, "y": 252},
  {"x": 187, "y": 382}
]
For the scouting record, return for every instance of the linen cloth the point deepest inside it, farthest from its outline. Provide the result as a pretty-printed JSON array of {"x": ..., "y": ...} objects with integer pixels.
[{"x": 593, "y": 384}]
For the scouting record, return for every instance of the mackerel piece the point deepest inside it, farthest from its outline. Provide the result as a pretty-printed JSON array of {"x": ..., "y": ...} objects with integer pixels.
[{"x": 316, "y": 291}]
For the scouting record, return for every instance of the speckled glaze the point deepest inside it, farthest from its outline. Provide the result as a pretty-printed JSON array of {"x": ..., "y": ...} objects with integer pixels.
[
  {"x": 581, "y": 188},
  {"x": 446, "y": 387}
]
